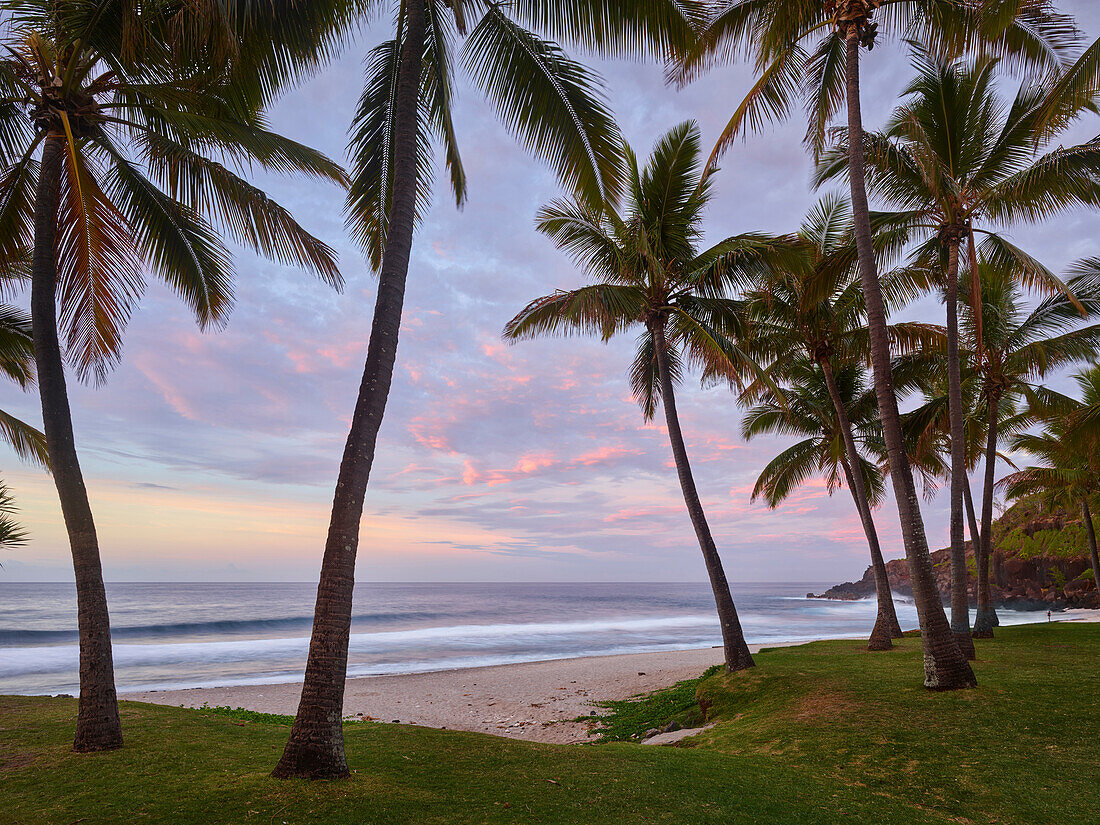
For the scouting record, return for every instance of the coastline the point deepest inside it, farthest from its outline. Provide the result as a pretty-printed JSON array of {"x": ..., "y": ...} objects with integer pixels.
[{"x": 534, "y": 701}]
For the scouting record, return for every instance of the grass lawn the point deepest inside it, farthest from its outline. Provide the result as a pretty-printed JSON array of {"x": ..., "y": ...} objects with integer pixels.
[{"x": 821, "y": 733}]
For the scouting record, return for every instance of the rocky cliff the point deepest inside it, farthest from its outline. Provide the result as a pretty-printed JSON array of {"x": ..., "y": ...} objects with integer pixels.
[{"x": 1040, "y": 562}]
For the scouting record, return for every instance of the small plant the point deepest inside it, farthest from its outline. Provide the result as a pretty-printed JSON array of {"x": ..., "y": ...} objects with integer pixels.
[{"x": 629, "y": 718}]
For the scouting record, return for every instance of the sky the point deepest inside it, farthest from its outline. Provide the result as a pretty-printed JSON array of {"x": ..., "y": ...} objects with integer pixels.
[{"x": 211, "y": 456}]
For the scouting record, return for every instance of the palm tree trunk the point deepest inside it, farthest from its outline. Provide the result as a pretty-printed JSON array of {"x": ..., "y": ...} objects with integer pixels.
[
  {"x": 735, "y": 649},
  {"x": 945, "y": 666},
  {"x": 315, "y": 749},
  {"x": 960, "y": 602},
  {"x": 1090, "y": 530},
  {"x": 986, "y": 618},
  {"x": 975, "y": 544},
  {"x": 972, "y": 520},
  {"x": 97, "y": 724},
  {"x": 886, "y": 623}
]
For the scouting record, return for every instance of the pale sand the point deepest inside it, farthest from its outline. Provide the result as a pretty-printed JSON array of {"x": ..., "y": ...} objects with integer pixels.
[
  {"x": 537, "y": 701},
  {"x": 533, "y": 700}
]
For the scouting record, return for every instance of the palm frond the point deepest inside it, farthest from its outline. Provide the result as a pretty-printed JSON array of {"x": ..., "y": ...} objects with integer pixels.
[
  {"x": 603, "y": 309},
  {"x": 98, "y": 268},
  {"x": 556, "y": 107}
]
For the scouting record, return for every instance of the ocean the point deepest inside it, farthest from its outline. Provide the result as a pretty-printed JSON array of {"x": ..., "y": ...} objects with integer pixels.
[{"x": 169, "y": 636}]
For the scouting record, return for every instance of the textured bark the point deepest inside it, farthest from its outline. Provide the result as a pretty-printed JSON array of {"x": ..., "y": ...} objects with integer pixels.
[
  {"x": 1090, "y": 529},
  {"x": 97, "y": 723},
  {"x": 735, "y": 649},
  {"x": 960, "y": 603},
  {"x": 315, "y": 749},
  {"x": 986, "y": 618},
  {"x": 886, "y": 622},
  {"x": 945, "y": 666}
]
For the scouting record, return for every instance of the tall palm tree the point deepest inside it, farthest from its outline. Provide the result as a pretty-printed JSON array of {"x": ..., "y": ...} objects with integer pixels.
[
  {"x": 557, "y": 109},
  {"x": 807, "y": 410},
  {"x": 777, "y": 33},
  {"x": 647, "y": 272},
  {"x": 1020, "y": 348},
  {"x": 112, "y": 166},
  {"x": 928, "y": 434},
  {"x": 809, "y": 306},
  {"x": 956, "y": 156}
]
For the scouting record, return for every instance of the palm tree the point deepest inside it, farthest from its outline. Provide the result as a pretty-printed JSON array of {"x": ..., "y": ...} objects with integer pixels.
[
  {"x": 954, "y": 155},
  {"x": 111, "y": 167},
  {"x": 557, "y": 110},
  {"x": 1020, "y": 349},
  {"x": 648, "y": 272},
  {"x": 776, "y": 33},
  {"x": 806, "y": 409},
  {"x": 928, "y": 434},
  {"x": 808, "y": 306}
]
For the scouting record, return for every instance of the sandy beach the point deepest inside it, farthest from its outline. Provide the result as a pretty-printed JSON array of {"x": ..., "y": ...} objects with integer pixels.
[{"x": 536, "y": 701}]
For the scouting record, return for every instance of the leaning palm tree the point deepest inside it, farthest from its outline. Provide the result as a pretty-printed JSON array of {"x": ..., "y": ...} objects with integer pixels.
[
  {"x": 114, "y": 166},
  {"x": 809, "y": 306},
  {"x": 806, "y": 410},
  {"x": 956, "y": 156},
  {"x": 777, "y": 34},
  {"x": 557, "y": 109},
  {"x": 648, "y": 272}
]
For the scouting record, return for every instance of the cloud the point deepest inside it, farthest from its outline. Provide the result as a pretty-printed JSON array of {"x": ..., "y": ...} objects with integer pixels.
[{"x": 495, "y": 460}]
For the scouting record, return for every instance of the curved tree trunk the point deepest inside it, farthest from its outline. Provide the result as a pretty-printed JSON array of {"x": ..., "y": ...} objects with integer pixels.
[
  {"x": 1090, "y": 530},
  {"x": 986, "y": 618},
  {"x": 735, "y": 649},
  {"x": 97, "y": 723},
  {"x": 886, "y": 623},
  {"x": 960, "y": 602},
  {"x": 315, "y": 749},
  {"x": 945, "y": 666}
]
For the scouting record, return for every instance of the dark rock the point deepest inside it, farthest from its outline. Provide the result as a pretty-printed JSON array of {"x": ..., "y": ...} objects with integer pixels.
[
  {"x": 650, "y": 732},
  {"x": 671, "y": 726},
  {"x": 1019, "y": 580}
]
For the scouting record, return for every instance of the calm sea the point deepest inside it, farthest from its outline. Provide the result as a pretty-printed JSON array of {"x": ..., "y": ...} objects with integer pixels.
[{"x": 213, "y": 634}]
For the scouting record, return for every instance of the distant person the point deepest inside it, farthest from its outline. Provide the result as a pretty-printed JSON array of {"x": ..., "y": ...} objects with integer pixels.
[{"x": 1048, "y": 615}]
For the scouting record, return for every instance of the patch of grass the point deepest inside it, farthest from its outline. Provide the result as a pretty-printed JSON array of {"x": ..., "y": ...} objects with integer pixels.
[
  {"x": 629, "y": 718},
  {"x": 245, "y": 715},
  {"x": 824, "y": 733}
]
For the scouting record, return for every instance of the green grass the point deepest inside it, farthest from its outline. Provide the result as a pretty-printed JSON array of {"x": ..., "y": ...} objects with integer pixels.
[
  {"x": 629, "y": 718},
  {"x": 824, "y": 733}
]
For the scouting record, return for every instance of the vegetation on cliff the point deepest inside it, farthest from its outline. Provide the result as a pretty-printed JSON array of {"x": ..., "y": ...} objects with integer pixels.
[{"x": 1040, "y": 561}]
